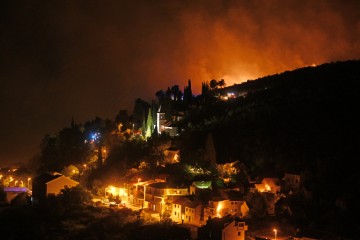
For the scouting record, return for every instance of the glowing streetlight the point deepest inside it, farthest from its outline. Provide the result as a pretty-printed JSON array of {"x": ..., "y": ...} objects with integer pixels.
[{"x": 275, "y": 233}]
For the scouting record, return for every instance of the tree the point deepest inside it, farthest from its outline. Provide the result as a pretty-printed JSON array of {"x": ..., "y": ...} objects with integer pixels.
[
  {"x": 176, "y": 93},
  {"x": 74, "y": 197},
  {"x": 213, "y": 84},
  {"x": 205, "y": 88},
  {"x": 49, "y": 157},
  {"x": 160, "y": 95},
  {"x": 222, "y": 83},
  {"x": 139, "y": 112},
  {"x": 122, "y": 117},
  {"x": 187, "y": 95},
  {"x": 149, "y": 124}
]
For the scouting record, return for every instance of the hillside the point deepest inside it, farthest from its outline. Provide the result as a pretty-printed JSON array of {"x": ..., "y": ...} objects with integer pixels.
[{"x": 303, "y": 121}]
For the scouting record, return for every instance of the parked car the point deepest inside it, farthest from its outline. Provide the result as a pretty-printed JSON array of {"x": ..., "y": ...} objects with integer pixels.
[{"x": 113, "y": 204}]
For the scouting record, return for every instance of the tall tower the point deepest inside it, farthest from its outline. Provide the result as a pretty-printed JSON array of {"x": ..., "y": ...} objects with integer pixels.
[{"x": 160, "y": 120}]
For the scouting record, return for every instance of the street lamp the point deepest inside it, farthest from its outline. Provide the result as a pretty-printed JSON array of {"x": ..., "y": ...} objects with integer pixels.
[{"x": 275, "y": 233}]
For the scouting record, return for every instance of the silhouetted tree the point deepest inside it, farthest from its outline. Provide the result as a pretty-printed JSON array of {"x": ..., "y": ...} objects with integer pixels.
[
  {"x": 214, "y": 84},
  {"x": 140, "y": 111},
  {"x": 187, "y": 95},
  {"x": 222, "y": 83}
]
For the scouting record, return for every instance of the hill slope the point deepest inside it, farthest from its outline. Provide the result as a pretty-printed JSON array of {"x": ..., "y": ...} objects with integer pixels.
[{"x": 302, "y": 121}]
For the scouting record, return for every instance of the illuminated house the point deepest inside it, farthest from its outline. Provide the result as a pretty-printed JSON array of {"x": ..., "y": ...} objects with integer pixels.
[
  {"x": 219, "y": 207},
  {"x": 171, "y": 156},
  {"x": 239, "y": 208},
  {"x": 120, "y": 192},
  {"x": 269, "y": 185},
  {"x": 161, "y": 194},
  {"x": 139, "y": 194},
  {"x": 185, "y": 210},
  {"x": 50, "y": 184},
  {"x": 167, "y": 126}
]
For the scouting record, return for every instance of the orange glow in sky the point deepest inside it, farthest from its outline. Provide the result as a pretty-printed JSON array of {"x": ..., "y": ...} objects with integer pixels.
[{"x": 108, "y": 54}]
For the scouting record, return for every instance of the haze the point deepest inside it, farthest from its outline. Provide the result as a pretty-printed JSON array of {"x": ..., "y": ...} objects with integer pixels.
[{"x": 81, "y": 59}]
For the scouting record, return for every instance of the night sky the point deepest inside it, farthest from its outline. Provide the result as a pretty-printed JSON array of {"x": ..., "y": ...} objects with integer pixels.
[{"x": 63, "y": 59}]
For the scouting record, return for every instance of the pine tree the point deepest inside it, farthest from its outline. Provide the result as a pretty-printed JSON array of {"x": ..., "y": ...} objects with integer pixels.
[
  {"x": 187, "y": 94},
  {"x": 149, "y": 124}
]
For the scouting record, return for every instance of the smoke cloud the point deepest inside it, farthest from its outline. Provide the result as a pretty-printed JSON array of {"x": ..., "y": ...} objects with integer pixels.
[{"x": 92, "y": 58}]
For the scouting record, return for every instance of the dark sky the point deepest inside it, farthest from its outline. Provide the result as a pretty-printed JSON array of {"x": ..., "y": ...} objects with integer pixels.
[{"x": 63, "y": 59}]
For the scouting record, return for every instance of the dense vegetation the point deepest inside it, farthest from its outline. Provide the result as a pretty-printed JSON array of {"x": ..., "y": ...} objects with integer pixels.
[{"x": 304, "y": 121}]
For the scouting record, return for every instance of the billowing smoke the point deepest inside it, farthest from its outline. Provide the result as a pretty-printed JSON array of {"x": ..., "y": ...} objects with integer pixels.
[{"x": 92, "y": 58}]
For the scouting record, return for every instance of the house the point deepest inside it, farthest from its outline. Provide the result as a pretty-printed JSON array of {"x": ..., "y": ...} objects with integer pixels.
[
  {"x": 171, "y": 156},
  {"x": 269, "y": 185},
  {"x": 220, "y": 207},
  {"x": 224, "y": 228},
  {"x": 217, "y": 207},
  {"x": 239, "y": 208},
  {"x": 165, "y": 126},
  {"x": 138, "y": 195},
  {"x": 156, "y": 195},
  {"x": 50, "y": 184},
  {"x": 234, "y": 230},
  {"x": 12, "y": 192},
  {"x": 161, "y": 194},
  {"x": 291, "y": 182},
  {"x": 270, "y": 200},
  {"x": 185, "y": 210}
]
